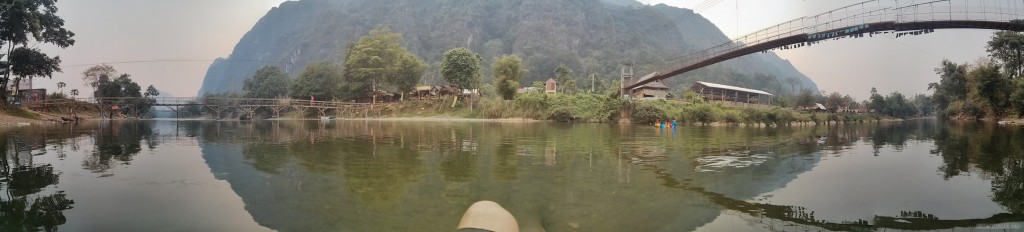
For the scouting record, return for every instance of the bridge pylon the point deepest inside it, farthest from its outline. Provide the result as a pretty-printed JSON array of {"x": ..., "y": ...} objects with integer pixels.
[{"x": 625, "y": 77}]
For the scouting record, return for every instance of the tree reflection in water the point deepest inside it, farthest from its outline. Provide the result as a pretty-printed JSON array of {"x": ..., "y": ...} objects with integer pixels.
[
  {"x": 117, "y": 142},
  {"x": 992, "y": 151},
  {"x": 20, "y": 179},
  {"x": 380, "y": 161}
]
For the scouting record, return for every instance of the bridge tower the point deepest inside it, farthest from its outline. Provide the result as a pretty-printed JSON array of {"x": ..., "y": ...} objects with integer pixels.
[{"x": 625, "y": 78}]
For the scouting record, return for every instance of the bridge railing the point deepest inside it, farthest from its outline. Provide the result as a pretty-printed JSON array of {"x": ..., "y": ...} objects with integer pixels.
[{"x": 961, "y": 10}]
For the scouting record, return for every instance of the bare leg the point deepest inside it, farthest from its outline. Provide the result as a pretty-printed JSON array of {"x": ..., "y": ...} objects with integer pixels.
[{"x": 488, "y": 215}]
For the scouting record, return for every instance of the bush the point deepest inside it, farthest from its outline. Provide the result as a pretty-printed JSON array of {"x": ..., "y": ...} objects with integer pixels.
[
  {"x": 783, "y": 116},
  {"x": 647, "y": 114},
  {"x": 704, "y": 114},
  {"x": 733, "y": 117}
]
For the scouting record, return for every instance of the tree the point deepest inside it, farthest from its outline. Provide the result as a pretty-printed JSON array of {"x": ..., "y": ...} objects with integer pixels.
[
  {"x": 409, "y": 73},
  {"x": 319, "y": 80},
  {"x": 508, "y": 71},
  {"x": 122, "y": 86},
  {"x": 988, "y": 87},
  {"x": 25, "y": 21},
  {"x": 151, "y": 92},
  {"x": 1017, "y": 99},
  {"x": 28, "y": 63},
  {"x": 461, "y": 67},
  {"x": 94, "y": 75},
  {"x": 805, "y": 99},
  {"x": 566, "y": 80},
  {"x": 74, "y": 92},
  {"x": 952, "y": 84},
  {"x": 267, "y": 82},
  {"x": 877, "y": 102},
  {"x": 380, "y": 60},
  {"x": 61, "y": 85},
  {"x": 1008, "y": 48},
  {"x": 792, "y": 81},
  {"x": 835, "y": 101}
]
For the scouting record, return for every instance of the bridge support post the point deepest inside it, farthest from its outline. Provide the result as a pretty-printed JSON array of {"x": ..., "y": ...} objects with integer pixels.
[
  {"x": 176, "y": 109},
  {"x": 322, "y": 111},
  {"x": 249, "y": 111},
  {"x": 301, "y": 109},
  {"x": 276, "y": 110},
  {"x": 216, "y": 110}
]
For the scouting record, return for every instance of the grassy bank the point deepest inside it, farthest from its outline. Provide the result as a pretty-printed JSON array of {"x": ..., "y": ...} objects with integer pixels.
[{"x": 598, "y": 108}]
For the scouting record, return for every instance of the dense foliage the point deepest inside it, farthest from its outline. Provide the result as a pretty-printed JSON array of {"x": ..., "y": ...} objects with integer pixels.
[
  {"x": 461, "y": 67},
  {"x": 31, "y": 21},
  {"x": 380, "y": 60},
  {"x": 320, "y": 81},
  {"x": 268, "y": 82},
  {"x": 990, "y": 88},
  {"x": 508, "y": 71}
]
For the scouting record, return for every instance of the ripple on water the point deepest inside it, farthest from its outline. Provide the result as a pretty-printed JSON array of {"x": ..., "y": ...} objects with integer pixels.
[{"x": 718, "y": 163}]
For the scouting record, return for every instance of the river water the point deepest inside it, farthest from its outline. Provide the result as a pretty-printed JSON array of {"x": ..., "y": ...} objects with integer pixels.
[{"x": 421, "y": 176}]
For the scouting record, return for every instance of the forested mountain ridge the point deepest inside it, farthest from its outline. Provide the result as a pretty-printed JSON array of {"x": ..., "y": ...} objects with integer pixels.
[{"x": 589, "y": 36}]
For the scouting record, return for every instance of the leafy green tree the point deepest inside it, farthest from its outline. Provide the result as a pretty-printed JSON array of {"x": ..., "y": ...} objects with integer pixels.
[
  {"x": 508, "y": 71},
  {"x": 28, "y": 63},
  {"x": 151, "y": 92},
  {"x": 320, "y": 81},
  {"x": 122, "y": 86},
  {"x": 461, "y": 67},
  {"x": 1017, "y": 99},
  {"x": 380, "y": 60},
  {"x": 805, "y": 99},
  {"x": 952, "y": 85},
  {"x": 1008, "y": 48},
  {"x": 924, "y": 104},
  {"x": 988, "y": 87},
  {"x": 268, "y": 82},
  {"x": 95, "y": 74},
  {"x": 25, "y": 21},
  {"x": 877, "y": 102},
  {"x": 566, "y": 80},
  {"x": 835, "y": 101},
  {"x": 409, "y": 73}
]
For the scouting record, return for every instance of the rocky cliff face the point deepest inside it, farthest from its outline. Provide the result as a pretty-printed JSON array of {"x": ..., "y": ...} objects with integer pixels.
[{"x": 590, "y": 36}]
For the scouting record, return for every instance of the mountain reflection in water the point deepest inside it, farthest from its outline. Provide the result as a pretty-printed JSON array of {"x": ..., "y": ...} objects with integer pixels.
[{"x": 404, "y": 176}]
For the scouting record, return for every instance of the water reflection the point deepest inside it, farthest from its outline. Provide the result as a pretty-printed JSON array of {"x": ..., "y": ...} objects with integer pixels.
[
  {"x": 420, "y": 176},
  {"x": 22, "y": 208}
]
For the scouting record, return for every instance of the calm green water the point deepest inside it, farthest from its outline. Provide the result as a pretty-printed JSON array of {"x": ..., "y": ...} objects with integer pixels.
[{"x": 420, "y": 176}]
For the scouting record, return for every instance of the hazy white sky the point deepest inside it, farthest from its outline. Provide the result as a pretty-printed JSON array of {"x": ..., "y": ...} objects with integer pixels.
[
  {"x": 142, "y": 30},
  {"x": 139, "y": 30}
]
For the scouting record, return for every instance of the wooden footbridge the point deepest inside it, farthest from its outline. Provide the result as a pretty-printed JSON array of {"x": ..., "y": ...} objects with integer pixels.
[{"x": 215, "y": 107}]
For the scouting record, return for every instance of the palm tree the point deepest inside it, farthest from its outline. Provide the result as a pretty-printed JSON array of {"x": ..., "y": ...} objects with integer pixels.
[
  {"x": 60, "y": 86},
  {"x": 74, "y": 92}
]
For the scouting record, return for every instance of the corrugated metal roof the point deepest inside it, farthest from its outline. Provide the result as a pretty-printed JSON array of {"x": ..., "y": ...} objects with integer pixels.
[
  {"x": 653, "y": 85},
  {"x": 729, "y": 87}
]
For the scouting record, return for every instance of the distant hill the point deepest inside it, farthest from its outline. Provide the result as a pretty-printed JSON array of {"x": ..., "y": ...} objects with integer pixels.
[{"x": 590, "y": 36}]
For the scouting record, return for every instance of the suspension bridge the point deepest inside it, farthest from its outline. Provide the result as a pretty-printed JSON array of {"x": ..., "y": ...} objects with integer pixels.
[{"x": 903, "y": 17}]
